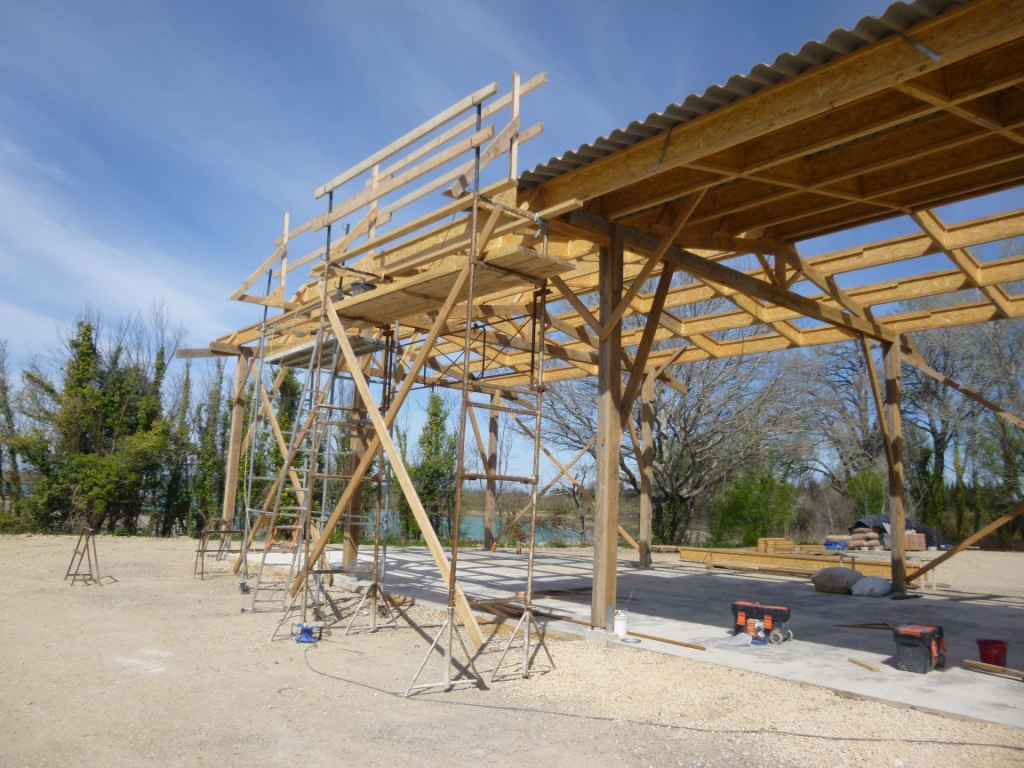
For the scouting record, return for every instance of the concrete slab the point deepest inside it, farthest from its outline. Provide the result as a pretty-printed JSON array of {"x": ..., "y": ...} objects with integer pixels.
[{"x": 695, "y": 607}]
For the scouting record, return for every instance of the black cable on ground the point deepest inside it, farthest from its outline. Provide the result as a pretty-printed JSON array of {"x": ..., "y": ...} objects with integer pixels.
[{"x": 604, "y": 718}]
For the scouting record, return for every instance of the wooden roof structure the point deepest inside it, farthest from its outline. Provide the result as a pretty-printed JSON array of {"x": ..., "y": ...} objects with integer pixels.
[
  {"x": 655, "y": 221},
  {"x": 904, "y": 125}
]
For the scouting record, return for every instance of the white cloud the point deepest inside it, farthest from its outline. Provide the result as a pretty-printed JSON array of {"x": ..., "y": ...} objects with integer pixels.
[{"x": 55, "y": 265}]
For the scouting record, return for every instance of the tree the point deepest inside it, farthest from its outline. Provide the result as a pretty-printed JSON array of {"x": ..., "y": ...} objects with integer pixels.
[
  {"x": 175, "y": 502},
  {"x": 737, "y": 413},
  {"x": 10, "y": 475},
  {"x": 433, "y": 474},
  {"x": 849, "y": 446},
  {"x": 212, "y": 423},
  {"x": 580, "y": 504},
  {"x": 754, "y": 504},
  {"x": 97, "y": 439},
  {"x": 939, "y": 413}
]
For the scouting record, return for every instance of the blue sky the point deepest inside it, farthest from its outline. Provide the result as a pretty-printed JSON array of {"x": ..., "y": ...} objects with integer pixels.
[{"x": 149, "y": 149}]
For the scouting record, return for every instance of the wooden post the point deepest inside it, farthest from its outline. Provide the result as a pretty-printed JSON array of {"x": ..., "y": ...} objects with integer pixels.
[
  {"x": 490, "y": 500},
  {"x": 646, "y": 461},
  {"x": 897, "y": 515},
  {"x": 609, "y": 436},
  {"x": 357, "y": 445},
  {"x": 227, "y": 514}
]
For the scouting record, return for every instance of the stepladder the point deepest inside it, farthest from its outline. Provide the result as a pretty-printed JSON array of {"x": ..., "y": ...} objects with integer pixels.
[{"x": 85, "y": 562}]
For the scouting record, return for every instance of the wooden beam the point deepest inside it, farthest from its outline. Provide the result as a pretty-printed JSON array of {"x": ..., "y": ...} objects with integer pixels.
[
  {"x": 609, "y": 436},
  {"x": 261, "y": 412},
  {"x": 738, "y": 281},
  {"x": 416, "y": 225},
  {"x": 501, "y": 144},
  {"x": 362, "y": 227},
  {"x": 730, "y": 558},
  {"x": 267, "y": 264},
  {"x": 412, "y": 136},
  {"x": 753, "y": 288},
  {"x": 646, "y": 461},
  {"x": 282, "y": 443},
  {"x": 918, "y": 362},
  {"x": 826, "y": 283},
  {"x": 411, "y": 376},
  {"x": 387, "y": 186},
  {"x": 636, "y": 375},
  {"x": 682, "y": 211},
  {"x": 963, "y": 259},
  {"x": 489, "y": 109},
  {"x": 970, "y": 664},
  {"x": 231, "y": 350},
  {"x": 897, "y": 513},
  {"x": 876, "y": 391},
  {"x": 242, "y": 369},
  {"x": 579, "y": 306},
  {"x": 192, "y": 354}
]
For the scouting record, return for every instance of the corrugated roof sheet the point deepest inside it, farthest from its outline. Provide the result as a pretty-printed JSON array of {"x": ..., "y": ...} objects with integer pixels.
[{"x": 897, "y": 18}]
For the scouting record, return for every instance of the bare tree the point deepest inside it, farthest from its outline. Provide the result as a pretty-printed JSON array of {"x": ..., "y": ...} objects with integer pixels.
[
  {"x": 849, "y": 440},
  {"x": 737, "y": 413}
]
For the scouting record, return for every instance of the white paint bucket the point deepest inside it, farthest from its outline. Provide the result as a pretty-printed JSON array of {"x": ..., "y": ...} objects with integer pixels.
[{"x": 620, "y": 623}]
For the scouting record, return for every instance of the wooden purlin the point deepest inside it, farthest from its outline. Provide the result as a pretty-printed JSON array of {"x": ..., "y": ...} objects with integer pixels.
[
  {"x": 887, "y": 292},
  {"x": 860, "y": 299}
]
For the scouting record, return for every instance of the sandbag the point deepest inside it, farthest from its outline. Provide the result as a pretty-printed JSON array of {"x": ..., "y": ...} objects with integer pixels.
[
  {"x": 871, "y": 586},
  {"x": 837, "y": 537},
  {"x": 837, "y": 580}
]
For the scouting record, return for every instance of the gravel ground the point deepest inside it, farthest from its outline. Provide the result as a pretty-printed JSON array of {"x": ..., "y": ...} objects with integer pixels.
[{"x": 160, "y": 668}]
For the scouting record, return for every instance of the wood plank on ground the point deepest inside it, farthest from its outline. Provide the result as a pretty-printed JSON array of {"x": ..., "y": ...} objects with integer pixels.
[{"x": 867, "y": 565}]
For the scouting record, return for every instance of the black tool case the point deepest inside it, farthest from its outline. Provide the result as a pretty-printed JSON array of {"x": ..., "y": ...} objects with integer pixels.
[{"x": 919, "y": 647}]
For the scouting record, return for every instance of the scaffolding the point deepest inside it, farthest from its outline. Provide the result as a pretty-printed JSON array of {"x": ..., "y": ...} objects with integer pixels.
[
  {"x": 791, "y": 153},
  {"x": 328, "y": 466}
]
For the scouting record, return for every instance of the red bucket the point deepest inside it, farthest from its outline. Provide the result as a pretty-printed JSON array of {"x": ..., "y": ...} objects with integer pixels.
[{"x": 992, "y": 652}]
